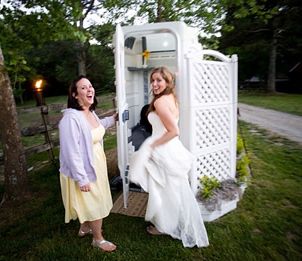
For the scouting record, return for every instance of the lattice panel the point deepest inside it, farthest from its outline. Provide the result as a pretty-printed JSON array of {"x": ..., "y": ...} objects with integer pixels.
[
  {"x": 212, "y": 127},
  {"x": 211, "y": 82},
  {"x": 216, "y": 164}
]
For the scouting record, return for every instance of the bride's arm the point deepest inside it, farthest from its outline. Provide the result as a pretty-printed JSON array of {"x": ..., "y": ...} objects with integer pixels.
[{"x": 163, "y": 107}]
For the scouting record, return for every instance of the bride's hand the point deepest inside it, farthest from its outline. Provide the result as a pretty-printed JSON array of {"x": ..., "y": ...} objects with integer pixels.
[{"x": 153, "y": 146}]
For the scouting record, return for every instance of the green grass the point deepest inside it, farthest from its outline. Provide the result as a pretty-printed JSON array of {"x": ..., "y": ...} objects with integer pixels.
[
  {"x": 56, "y": 100},
  {"x": 267, "y": 224},
  {"x": 104, "y": 100},
  {"x": 33, "y": 140},
  {"x": 110, "y": 141},
  {"x": 30, "y": 118},
  {"x": 290, "y": 103}
]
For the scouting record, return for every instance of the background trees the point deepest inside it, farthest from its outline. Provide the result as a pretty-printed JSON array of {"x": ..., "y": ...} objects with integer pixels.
[
  {"x": 267, "y": 36},
  {"x": 53, "y": 41},
  {"x": 58, "y": 39}
]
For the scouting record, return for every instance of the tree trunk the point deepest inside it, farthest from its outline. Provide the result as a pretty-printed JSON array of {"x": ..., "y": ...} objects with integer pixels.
[
  {"x": 81, "y": 52},
  {"x": 271, "y": 79},
  {"x": 15, "y": 173},
  {"x": 81, "y": 59},
  {"x": 159, "y": 17}
]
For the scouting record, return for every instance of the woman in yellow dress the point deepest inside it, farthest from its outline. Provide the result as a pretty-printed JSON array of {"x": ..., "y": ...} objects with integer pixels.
[{"x": 83, "y": 171}]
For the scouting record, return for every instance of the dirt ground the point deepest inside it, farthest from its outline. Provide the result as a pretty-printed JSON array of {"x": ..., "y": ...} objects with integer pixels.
[
  {"x": 280, "y": 123},
  {"x": 112, "y": 167}
]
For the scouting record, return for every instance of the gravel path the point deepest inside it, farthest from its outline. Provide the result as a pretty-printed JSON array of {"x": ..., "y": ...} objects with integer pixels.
[{"x": 283, "y": 124}]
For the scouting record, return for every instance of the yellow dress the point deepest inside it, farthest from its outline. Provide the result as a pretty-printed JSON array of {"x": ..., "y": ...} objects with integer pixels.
[{"x": 97, "y": 203}]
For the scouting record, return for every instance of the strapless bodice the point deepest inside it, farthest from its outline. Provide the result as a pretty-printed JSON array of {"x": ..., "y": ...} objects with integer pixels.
[{"x": 158, "y": 128}]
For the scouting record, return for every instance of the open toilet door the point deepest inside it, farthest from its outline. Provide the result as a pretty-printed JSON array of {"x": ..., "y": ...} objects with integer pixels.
[{"x": 122, "y": 107}]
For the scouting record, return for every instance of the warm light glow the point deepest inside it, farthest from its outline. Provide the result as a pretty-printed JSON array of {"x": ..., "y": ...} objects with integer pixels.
[
  {"x": 38, "y": 84},
  {"x": 146, "y": 54}
]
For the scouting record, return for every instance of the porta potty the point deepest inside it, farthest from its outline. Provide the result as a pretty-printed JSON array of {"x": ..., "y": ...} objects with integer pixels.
[{"x": 206, "y": 86}]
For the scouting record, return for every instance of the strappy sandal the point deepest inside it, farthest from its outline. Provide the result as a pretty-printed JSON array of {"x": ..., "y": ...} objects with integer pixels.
[
  {"x": 152, "y": 230},
  {"x": 83, "y": 233},
  {"x": 101, "y": 243}
]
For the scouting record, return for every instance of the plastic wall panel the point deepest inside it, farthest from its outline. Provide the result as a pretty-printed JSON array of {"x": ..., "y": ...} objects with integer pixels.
[
  {"x": 214, "y": 164},
  {"x": 211, "y": 108},
  {"x": 211, "y": 83},
  {"x": 212, "y": 127}
]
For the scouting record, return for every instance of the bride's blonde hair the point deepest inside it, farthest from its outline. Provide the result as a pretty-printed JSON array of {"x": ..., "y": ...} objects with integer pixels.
[{"x": 170, "y": 81}]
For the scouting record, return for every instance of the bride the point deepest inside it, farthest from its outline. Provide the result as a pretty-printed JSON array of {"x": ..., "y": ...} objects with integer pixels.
[{"x": 161, "y": 168}]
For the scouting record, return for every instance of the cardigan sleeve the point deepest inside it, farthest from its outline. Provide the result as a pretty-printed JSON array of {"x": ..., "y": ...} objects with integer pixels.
[
  {"x": 70, "y": 153},
  {"x": 108, "y": 122}
]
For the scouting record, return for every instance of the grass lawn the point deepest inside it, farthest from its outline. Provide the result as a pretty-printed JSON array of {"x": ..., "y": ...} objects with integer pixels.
[
  {"x": 267, "y": 225},
  {"x": 290, "y": 103}
]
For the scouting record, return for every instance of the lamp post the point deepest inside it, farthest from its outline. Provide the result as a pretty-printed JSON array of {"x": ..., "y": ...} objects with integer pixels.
[
  {"x": 39, "y": 93},
  {"x": 44, "y": 113}
]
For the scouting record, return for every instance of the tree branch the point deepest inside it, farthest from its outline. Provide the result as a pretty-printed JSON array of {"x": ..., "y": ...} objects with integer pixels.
[{"x": 89, "y": 8}]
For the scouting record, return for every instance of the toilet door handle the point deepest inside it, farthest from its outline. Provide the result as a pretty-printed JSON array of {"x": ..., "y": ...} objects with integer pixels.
[{"x": 125, "y": 115}]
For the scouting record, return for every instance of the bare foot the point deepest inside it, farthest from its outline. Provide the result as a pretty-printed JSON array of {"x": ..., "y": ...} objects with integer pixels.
[{"x": 152, "y": 230}]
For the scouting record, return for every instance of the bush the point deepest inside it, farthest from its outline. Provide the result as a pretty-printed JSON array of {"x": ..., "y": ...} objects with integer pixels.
[
  {"x": 242, "y": 164},
  {"x": 208, "y": 185}
]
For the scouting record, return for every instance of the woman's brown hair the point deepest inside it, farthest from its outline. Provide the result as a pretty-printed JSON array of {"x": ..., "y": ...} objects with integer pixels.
[
  {"x": 72, "y": 102},
  {"x": 170, "y": 81}
]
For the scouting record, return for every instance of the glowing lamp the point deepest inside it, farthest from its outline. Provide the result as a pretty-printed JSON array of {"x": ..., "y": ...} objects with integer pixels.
[
  {"x": 39, "y": 92},
  {"x": 38, "y": 85}
]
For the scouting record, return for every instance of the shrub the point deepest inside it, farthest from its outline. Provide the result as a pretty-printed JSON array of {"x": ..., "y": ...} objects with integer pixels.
[
  {"x": 240, "y": 145},
  {"x": 208, "y": 185},
  {"x": 242, "y": 170},
  {"x": 242, "y": 164}
]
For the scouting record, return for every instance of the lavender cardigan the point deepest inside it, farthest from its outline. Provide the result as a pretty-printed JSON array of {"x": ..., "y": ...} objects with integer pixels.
[{"x": 76, "y": 158}]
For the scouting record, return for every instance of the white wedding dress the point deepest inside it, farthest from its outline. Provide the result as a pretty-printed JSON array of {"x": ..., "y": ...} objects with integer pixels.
[{"x": 163, "y": 173}]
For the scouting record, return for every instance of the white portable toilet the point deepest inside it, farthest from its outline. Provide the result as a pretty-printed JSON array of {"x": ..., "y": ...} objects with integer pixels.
[{"x": 206, "y": 86}]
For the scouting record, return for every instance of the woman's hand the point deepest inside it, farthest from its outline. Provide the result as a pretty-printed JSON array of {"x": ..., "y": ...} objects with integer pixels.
[
  {"x": 85, "y": 188},
  {"x": 115, "y": 116}
]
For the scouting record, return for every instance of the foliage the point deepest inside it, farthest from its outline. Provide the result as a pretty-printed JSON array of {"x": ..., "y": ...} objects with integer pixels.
[
  {"x": 208, "y": 185},
  {"x": 194, "y": 12},
  {"x": 100, "y": 65},
  {"x": 253, "y": 28},
  {"x": 52, "y": 39},
  {"x": 242, "y": 168},
  {"x": 242, "y": 162},
  {"x": 49, "y": 38},
  {"x": 14, "y": 48},
  {"x": 240, "y": 145}
]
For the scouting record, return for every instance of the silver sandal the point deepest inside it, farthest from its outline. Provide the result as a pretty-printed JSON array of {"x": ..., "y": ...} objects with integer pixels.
[
  {"x": 84, "y": 233},
  {"x": 99, "y": 243}
]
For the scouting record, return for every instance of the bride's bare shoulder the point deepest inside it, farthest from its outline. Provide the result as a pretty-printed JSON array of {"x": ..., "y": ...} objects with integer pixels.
[{"x": 167, "y": 102}]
